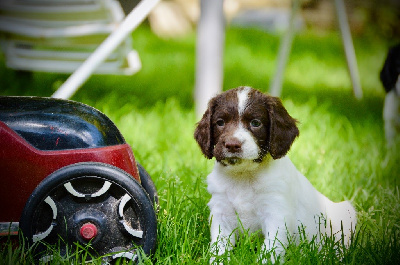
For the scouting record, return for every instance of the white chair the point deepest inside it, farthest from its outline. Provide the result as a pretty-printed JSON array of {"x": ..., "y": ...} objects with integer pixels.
[
  {"x": 59, "y": 35},
  {"x": 286, "y": 45},
  {"x": 210, "y": 47},
  {"x": 131, "y": 21}
]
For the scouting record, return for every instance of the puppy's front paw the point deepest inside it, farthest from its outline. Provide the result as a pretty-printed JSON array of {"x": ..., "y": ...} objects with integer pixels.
[
  {"x": 216, "y": 261},
  {"x": 271, "y": 254},
  {"x": 271, "y": 258}
]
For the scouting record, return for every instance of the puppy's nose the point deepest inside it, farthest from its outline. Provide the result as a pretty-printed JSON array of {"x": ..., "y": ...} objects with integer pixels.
[{"x": 233, "y": 145}]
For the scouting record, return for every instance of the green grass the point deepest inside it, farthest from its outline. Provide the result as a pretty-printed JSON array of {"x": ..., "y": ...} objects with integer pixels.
[{"x": 340, "y": 148}]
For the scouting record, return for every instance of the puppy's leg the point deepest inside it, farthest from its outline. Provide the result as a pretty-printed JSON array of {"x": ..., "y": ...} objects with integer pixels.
[
  {"x": 275, "y": 239},
  {"x": 343, "y": 219},
  {"x": 222, "y": 236}
]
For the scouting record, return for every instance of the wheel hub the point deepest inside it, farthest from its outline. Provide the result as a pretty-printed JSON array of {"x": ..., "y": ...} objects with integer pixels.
[
  {"x": 88, "y": 225},
  {"x": 88, "y": 231}
]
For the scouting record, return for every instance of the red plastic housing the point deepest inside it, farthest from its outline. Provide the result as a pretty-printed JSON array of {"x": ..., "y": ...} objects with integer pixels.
[{"x": 23, "y": 167}]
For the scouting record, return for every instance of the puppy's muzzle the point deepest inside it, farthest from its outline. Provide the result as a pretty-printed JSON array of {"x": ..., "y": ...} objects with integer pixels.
[
  {"x": 232, "y": 151},
  {"x": 233, "y": 145}
]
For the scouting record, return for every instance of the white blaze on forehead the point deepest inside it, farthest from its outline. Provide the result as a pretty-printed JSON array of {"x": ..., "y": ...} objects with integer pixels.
[
  {"x": 242, "y": 95},
  {"x": 250, "y": 149}
]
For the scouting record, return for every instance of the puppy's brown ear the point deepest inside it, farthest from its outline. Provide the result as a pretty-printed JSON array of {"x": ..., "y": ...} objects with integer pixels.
[
  {"x": 203, "y": 134},
  {"x": 283, "y": 130}
]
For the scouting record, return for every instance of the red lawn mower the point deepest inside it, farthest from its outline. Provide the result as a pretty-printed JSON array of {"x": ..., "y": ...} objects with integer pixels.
[{"x": 66, "y": 173}]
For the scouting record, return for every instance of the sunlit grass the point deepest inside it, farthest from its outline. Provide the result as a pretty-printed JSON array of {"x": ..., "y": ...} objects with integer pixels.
[{"x": 340, "y": 148}]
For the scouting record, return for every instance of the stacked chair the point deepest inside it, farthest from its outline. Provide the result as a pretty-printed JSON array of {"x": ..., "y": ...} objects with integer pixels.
[{"x": 59, "y": 35}]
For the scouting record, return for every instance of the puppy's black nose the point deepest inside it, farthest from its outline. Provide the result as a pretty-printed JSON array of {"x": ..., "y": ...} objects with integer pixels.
[{"x": 233, "y": 145}]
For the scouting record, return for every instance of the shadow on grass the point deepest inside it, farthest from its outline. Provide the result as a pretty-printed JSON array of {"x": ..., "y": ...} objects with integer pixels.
[{"x": 341, "y": 103}]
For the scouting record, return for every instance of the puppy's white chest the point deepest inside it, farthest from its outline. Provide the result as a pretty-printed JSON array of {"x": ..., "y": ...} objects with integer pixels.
[
  {"x": 245, "y": 204},
  {"x": 241, "y": 206}
]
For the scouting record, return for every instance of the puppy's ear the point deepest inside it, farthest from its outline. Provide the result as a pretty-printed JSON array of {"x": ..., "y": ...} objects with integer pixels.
[
  {"x": 203, "y": 134},
  {"x": 283, "y": 130}
]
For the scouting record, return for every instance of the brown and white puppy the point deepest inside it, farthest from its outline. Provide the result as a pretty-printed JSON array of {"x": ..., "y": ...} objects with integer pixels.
[{"x": 254, "y": 186}]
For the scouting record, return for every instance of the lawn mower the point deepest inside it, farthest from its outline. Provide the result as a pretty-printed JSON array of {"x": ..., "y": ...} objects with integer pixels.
[{"x": 67, "y": 175}]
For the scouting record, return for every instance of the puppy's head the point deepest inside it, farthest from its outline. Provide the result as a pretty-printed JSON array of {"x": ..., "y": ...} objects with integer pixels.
[{"x": 245, "y": 124}]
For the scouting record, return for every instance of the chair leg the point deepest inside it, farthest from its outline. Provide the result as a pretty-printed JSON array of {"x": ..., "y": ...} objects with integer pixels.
[
  {"x": 209, "y": 53},
  {"x": 284, "y": 52},
  {"x": 348, "y": 48}
]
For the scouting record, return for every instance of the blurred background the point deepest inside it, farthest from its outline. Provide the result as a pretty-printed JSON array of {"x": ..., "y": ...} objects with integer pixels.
[
  {"x": 341, "y": 148},
  {"x": 166, "y": 44},
  {"x": 178, "y": 17}
]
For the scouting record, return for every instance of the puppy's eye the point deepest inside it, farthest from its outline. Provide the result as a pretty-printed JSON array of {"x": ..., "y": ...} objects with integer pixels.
[
  {"x": 255, "y": 123},
  {"x": 220, "y": 122}
]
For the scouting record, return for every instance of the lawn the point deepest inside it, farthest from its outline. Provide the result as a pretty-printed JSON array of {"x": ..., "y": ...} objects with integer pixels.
[{"x": 341, "y": 147}]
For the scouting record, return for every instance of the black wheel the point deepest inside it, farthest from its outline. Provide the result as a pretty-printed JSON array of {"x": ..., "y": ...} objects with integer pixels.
[
  {"x": 148, "y": 184},
  {"x": 91, "y": 202}
]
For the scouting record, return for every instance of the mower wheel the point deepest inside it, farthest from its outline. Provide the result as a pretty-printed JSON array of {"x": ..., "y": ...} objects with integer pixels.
[{"x": 91, "y": 203}]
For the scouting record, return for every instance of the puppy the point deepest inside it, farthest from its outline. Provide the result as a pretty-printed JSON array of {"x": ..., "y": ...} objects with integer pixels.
[
  {"x": 253, "y": 185},
  {"x": 390, "y": 78}
]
